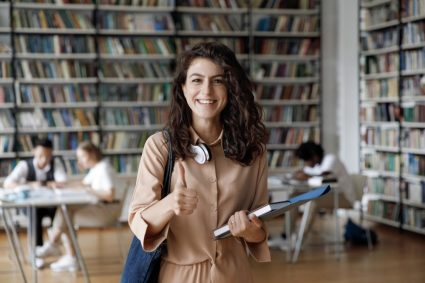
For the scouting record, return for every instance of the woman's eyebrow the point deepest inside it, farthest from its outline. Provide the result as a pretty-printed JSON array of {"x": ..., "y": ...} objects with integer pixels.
[{"x": 200, "y": 75}]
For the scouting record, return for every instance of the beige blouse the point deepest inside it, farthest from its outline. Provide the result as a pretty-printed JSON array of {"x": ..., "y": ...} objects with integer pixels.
[{"x": 224, "y": 187}]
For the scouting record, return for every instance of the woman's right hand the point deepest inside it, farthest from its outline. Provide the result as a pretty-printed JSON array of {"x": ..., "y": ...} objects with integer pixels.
[{"x": 184, "y": 199}]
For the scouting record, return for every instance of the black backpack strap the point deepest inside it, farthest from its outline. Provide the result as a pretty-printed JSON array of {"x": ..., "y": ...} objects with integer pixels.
[
  {"x": 31, "y": 170},
  {"x": 168, "y": 167}
]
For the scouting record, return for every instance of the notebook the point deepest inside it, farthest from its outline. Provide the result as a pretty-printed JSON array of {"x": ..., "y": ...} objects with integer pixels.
[{"x": 275, "y": 209}]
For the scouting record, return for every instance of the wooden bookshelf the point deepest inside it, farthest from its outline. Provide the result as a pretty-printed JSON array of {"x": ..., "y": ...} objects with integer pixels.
[
  {"x": 114, "y": 63},
  {"x": 285, "y": 67},
  {"x": 7, "y": 101},
  {"x": 392, "y": 117}
]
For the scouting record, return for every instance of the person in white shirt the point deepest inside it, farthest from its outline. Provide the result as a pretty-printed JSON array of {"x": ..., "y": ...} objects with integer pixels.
[
  {"x": 99, "y": 181},
  {"x": 327, "y": 166},
  {"x": 43, "y": 170}
]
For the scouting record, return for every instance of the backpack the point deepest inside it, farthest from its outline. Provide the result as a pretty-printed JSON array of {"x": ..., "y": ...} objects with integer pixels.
[{"x": 357, "y": 235}]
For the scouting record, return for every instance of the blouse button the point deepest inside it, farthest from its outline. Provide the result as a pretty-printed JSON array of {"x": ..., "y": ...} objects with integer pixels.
[{"x": 211, "y": 179}]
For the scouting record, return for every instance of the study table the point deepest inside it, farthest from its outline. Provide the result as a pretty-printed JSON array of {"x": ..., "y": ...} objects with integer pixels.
[
  {"x": 285, "y": 188},
  {"x": 42, "y": 197}
]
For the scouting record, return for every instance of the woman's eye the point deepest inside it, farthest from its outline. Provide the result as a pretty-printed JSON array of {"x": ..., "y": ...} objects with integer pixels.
[
  {"x": 218, "y": 81},
  {"x": 196, "y": 81}
]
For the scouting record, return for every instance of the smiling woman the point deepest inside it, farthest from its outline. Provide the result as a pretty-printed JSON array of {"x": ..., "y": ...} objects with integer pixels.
[{"x": 213, "y": 110}]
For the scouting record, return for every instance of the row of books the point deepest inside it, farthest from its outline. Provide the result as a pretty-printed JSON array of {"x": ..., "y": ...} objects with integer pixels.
[
  {"x": 386, "y": 210},
  {"x": 5, "y": 48},
  {"x": 414, "y": 217},
  {"x": 55, "y": 69},
  {"x": 293, "y": 136},
  {"x": 287, "y": 46},
  {"x": 6, "y": 166},
  {"x": 414, "y": 113},
  {"x": 379, "y": 112},
  {"x": 379, "y": 39},
  {"x": 57, "y": 1},
  {"x": 6, "y": 94},
  {"x": 289, "y": 92},
  {"x": 413, "y": 8},
  {"x": 55, "y": 118},
  {"x": 379, "y": 136},
  {"x": 56, "y": 93},
  {"x": 6, "y": 143},
  {"x": 143, "y": 3},
  {"x": 415, "y": 192},
  {"x": 61, "y": 141},
  {"x": 292, "y": 113},
  {"x": 125, "y": 140},
  {"x": 54, "y": 44},
  {"x": 383, "y": 88},
  {"x": 210, "y": 22},
  {"x": 412, "y": 86},
  {"x": 5, "y": 69},
  {"x": 282, "y": 159},
  {"x": 383, "y": 63},
  {"x": 135, "y": 93},
  {"x": 130, "y": 46},
  {"x": 233, "y": 4},
  {"x": 285, "y": 4},
  {"x": 135, "y": 70},
  {"x": 413, "y": 60},
  {"x": 238, "y": 45},
  {"x": 381, "y": 161},
  {"x": 6, "y": 119},
  {"x": 413, "y": 32},
  {"x": 383, "y": 186},
  {"x": 136, "y": 22},
  {"x": 133, "y": 116},
  {"x": 52, "y": 19},
  {"x": 287, "y": 69},
  {"x": 125, "y": 164},
  {"x": 288, "y": 23},
  {"x": 413, "y": 138},
  {"x": 413, "y": 164},
  {"x": 379, "y": 14}
]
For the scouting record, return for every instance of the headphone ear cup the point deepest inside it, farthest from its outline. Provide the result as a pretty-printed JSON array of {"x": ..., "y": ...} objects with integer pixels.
[
  {"x": 206, "y": 150},
  {"x": 200, "y": 156}
]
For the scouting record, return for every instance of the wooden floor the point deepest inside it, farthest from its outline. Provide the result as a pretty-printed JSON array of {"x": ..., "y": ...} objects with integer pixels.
[{"x": 398, "y": 258}]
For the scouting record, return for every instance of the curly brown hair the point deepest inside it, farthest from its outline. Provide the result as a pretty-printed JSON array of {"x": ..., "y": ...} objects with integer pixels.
[{"x": 244, "y": 135}]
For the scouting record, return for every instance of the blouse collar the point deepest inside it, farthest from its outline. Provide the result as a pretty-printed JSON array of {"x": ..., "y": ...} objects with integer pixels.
[{"x": 196, "y": 139}]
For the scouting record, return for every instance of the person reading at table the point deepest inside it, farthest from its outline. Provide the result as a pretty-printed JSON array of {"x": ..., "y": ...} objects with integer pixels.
[
  {"x": 43, "y": 170},
  {"x": 100, "y": 181},
  {"x": 328, "y": 166},
  {"x": 317, "y": 163}
]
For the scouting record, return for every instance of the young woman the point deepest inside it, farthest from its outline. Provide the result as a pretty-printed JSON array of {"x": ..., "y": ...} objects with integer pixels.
[
  {"x": 100, "y": 181},
  {"x": 212, "y": 107}
]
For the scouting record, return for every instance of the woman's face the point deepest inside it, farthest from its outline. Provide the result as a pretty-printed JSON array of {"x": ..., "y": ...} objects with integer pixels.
[
  {"x": 205, "y": 91},
  {"x": 84, "y": 159}
]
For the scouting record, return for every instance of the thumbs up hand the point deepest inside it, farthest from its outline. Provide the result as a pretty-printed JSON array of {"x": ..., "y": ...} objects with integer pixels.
[{"x": 185, "y": 200}]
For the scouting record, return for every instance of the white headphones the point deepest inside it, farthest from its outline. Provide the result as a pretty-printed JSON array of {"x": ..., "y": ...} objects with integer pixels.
[{"x": 202, "y": 153}]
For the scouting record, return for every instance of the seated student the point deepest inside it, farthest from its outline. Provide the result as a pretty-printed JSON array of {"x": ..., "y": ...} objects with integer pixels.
[
  {"x": 100, "y": 181},
  {"x": 41, "y": 170},
  {"x": 329, "y": 165}
]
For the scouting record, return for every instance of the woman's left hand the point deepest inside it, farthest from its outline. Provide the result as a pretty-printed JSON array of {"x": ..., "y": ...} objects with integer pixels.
[{"x": 249, "y": 228}]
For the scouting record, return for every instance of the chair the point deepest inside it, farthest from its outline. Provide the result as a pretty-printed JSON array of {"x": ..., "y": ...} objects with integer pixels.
[
  {"x": 117, "y": 211},
  {"x": 330, "y": 202}
]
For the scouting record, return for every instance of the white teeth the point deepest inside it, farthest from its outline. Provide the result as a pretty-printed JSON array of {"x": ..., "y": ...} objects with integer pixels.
[{"x": 205, "y": 101}]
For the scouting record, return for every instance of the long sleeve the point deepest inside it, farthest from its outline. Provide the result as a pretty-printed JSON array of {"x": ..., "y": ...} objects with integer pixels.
[
  {"x": 148, "y": 189},
  {"x": 260, "y": 251}
]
